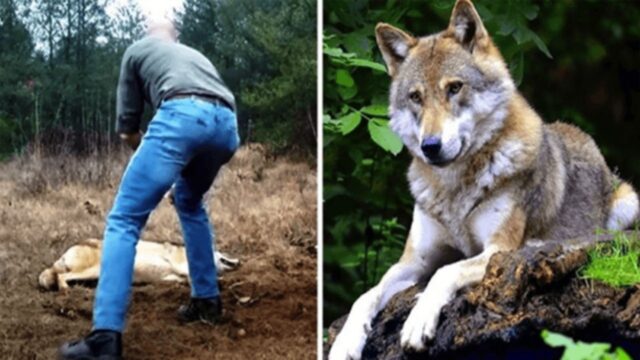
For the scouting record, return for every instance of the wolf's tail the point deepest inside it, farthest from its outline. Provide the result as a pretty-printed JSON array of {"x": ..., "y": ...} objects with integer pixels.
[
  {"x": 48, "y": 279},
  {"x": 624, "y": 207}
]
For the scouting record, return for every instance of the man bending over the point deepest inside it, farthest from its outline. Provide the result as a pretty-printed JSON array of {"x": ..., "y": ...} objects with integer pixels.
[{"x": 192, "y": 134}]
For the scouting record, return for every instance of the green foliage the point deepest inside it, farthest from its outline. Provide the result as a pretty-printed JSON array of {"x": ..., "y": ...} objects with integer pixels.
[
  {"x": 290, "y": 90},
  {"x": 6, "y": 138},
  {"x": 266, "y": 52},
  {"x": 58, "y": 70},
  {"x": 583, "y": 351},
  {"x": 15, "y": 66},
  {"x": 614, "y": 262},
  {"x": 59, "y": 66},
  {"x": 367, "y": 203}
]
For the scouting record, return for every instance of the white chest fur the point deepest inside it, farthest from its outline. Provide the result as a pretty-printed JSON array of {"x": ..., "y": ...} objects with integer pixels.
[{"x": 470, "y": 213}]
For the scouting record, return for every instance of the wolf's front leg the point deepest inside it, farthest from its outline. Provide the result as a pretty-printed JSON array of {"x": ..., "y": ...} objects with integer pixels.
[
  {"x": 421, "y": 324},
  {"x": 424, "y": 252},
  {"x": 499, "y": 227}
]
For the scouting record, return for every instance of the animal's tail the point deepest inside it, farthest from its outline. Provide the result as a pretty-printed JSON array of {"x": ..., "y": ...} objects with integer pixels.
[
  {"x": 624, "y": 207},
  {"x": 48, "y": 279}
]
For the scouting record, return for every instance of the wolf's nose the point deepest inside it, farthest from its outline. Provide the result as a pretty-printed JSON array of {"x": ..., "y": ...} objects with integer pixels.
[{"x": 431, "y": 147}]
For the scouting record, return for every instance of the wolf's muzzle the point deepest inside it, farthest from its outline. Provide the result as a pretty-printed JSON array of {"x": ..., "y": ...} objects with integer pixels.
[{"x": 431, "y": 147}]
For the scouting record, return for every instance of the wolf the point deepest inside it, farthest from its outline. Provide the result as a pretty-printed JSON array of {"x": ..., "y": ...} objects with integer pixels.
[
  {"x": 154, "y": 262},
  {"x": 487, "y": 174}
]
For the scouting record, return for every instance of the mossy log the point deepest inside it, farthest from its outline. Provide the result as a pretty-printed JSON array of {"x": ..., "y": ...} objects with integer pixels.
[{"x": 522, "y": 293}]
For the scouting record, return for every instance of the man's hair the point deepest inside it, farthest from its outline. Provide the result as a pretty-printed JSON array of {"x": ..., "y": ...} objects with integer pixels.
[{"x": 163, "y": 27}]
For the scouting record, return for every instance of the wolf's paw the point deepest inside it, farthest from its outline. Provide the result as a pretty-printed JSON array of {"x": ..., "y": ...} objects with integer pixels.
[
  {"x": 348, "y": 344},
  {"x": 419, "y": 328}
]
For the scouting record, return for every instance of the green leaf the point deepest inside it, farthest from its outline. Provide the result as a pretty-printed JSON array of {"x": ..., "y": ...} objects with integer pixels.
[
  {"x": 327, "y": 139},
  {"x": 541, "y": 45},
  {"x": 516, "y": 66},
  {"x": 442, "y": 4},
  {"x": 330, "y": 125},
  {"x": 333, "y": 52},
  {"x": 622, "y": 355},
  {"x": 484, "y": 13},
  {"x": 507, "y": 26},
  {"x": 375, "y": 110},
  {"x": 413, "y": 13},
  {"x": 530, "y": 11},
  {"x": 343, "y": 78},
  {"x": 347, "y": 93},
  {"x": 582, "y": 351},
  {"x": 522, "y": 34},
  {"x": 556, "y": 340},
  {"x": 586, "y": 351},
  {"x": 358, "y": 43},
  {"x": 383, "y": 136},
  {"x": 368, "y": 64},
  {"x": 350, "y": 122}
]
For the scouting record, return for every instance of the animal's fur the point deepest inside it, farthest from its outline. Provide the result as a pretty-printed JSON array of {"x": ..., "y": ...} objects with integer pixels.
[
  {"x": 154, "y": 262},
  {"x": 500, "y": 178}
]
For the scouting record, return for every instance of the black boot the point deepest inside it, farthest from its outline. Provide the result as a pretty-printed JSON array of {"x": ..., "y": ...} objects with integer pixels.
[
  {"x": 205, "y": 310},
  {"x": 99, "y": 344}
]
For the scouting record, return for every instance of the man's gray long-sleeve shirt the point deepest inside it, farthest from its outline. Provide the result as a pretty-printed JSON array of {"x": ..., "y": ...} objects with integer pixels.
[{"x": 153, "y": 70}]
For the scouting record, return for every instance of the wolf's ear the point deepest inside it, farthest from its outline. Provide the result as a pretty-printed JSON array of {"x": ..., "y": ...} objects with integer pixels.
[
  {"x": 394, "y": 45},
  {"x": 466, "y": 26}
]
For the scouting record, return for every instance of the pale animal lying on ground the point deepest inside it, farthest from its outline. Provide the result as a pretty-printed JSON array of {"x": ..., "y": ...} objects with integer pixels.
[{"x": 154, "y": 262}]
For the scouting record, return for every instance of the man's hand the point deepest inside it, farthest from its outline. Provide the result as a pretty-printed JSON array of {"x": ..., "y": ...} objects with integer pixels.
[{"x": 133, "y": 140}]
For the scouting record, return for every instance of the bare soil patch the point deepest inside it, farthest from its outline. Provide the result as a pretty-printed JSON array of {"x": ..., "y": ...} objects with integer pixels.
[{"x": 264, "y": 211}]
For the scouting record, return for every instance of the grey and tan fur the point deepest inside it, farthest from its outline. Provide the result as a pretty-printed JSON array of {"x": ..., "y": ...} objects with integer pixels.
[
  {"x": 487, "y": 174},
  {"x": 155, "y": 262}
]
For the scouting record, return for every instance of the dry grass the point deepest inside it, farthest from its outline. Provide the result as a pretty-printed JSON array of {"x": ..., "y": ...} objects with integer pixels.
[{"x": 264, "y": 212}]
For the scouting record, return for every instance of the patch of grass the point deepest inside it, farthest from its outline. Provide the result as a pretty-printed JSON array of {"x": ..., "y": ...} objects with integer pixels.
[{"x": 614, "y": 262}]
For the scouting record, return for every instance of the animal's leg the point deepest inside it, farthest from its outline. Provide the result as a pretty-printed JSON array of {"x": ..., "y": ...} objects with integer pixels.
[
  {"x": 174, "y": 278},
  {"x": 90, "y": 273},
  {"x": 181, "y": 269},
  {"x": 421, "y": 324},
  {"x": 498, "y": 227},
  {"x": 624, "y": 208},
  {"x": 424, "y": 252},
  {"x": 47, "y": 278},
  {"x": 224, "y": 262},
  {"x": 62, "y": 282}
]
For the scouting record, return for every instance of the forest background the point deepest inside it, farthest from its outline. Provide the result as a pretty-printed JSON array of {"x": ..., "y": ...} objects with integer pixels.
[
  {"x": 575, "y": 61},
  {"x": 59, "y": 66}
]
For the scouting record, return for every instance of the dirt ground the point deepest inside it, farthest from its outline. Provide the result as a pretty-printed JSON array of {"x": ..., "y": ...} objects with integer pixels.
[{"x": 264, "y": 211}]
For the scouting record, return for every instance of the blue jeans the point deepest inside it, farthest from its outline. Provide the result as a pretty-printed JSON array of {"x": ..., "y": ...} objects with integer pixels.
[{"x": 186, "y": 143}]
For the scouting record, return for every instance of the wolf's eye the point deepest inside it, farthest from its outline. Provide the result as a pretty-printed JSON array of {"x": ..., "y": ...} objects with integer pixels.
[
  {"x": 415, "y": 97},
  {"x": 454, "y": 88}
]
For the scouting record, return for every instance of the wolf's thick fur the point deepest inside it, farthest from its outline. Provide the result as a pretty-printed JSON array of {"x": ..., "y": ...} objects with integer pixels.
[
  {"x": 154, "y": 262},
  {"x": 487, "y": 174}
]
